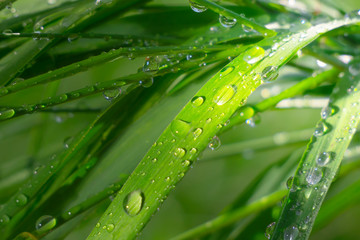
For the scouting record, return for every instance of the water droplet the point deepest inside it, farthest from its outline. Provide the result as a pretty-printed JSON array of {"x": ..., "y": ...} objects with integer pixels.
[
  {"x": 197, "y": 132},
  {"x": 111, "y": 94},
  {"x": 186, "y": 163},
  {"x": 154, "y": 160},
  {"x": 110, "y": 227},
  {"x": 269, "y": 74},
  {"x": 353, "y": 15},
  {"x": 247, "y": 28},
  {"x": 289, "y": 182},
  {"x": 196, "y": 56},
  {"x": 134, "y": 202},
  {"x": 354, "y": 69},
  {"x": 196, "y": 7},
  {"x": 314, "y": 176},
  {"x": 21, "y": 200},
  {"x": 326, "y": 112},
  {"x": 193, "y": 151},
  {"x": 146, "y": 83},
  {"x": 4, "y": 219},
  {"x": 179, "y": 128},
  {"x": 197, "y": 101},
  {"x": 6, "y": 113},
  {"x": 291, "y": 233},
  {"x": 179, "y": 152},
  {"x": 324, "y": 158},
  {"x": 321, "y": 129},
  {"x": 269, "y": 230},
  {"x": 227, "y": 22},
  {"x": 151, "y": 65},
  {"x": 45, "y": 223},
  {"x": 253, "y": 55},
  {"x": 67, "y": 141},
  {"x": 215, "y": 143},
  {"x": 226, "y": 70},
  {"x": 224, "y": 94}
]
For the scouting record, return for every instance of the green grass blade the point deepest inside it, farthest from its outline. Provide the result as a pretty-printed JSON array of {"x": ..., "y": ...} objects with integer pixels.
[
  {"x": 171, "y": 156},
  {"x": 320, "y": 162}
]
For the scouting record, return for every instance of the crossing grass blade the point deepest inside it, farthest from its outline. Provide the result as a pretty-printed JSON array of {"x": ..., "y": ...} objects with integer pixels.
[{"x": 194, "y": 127}]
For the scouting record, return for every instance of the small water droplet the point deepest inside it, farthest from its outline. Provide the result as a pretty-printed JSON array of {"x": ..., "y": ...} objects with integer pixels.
[
  {"x": 193, "y": 151},
  {"x": 186, "y": 163},
  {"x": 226, "y": 70},
  {"x": 196, "y": 56},
  {"x": 179, "y": 152},
  {"x": 291, "y": 233},
  {"x": 227, "y": 22},
  {"x": 110, "y": 227},
  {"x": 21, "y": 200},
  {"x": 354, "y": 69},
  {"x": 45, "y": 223},
  {"x": 321, "y": 129},
  {"x": 197, "y": 132},
  {"x": 4, "y": 219},
  {"x": 324, "y": 158},
  {"x": 215, "y": 143},
  {"x": 151, "y": 65},
  {"x": 224, "y": 94},
  {"x": 247, "y": 28},
  {"x": 134, "y": 202},
  {"x": 111, "y": 94},
  {"x": 326, "y": 112},
  {"x": 289, "y": 182},
  {"x": 269, "y": 230},
  {"x": 67, "y": 142},
  {"x": 314, "y": 176},
  {"x": 253, "y": 55},
  {"x": 269, "y": 74},
  {"x": 196, "y": 7},
  {"x": 146, "y": 83},
  {"x": 6, "y": 113},
  {"x": 179, "y": 128},
  {"x": 197, "y": 101}
]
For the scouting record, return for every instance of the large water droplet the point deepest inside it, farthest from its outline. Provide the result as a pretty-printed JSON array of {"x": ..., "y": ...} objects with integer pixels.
[
  {"x": 289, "y": 182},
  {"x": 324, "y": 158},
  {"x": 227, "y": 22},
  {"x": 326, "y": 112},
  {"x": 134, "y": 202},
  {"x": 179, "y": 152},
  {"x": 291, "y": 233},
  {"x": 45, "y": 223},
  {"x": 151, "y": 65},
  {"x": 269, "y": 230},
  {"x": 226, "y": 70},
  {"x": 21, "y": 200},
  {"x": 224, "y": 94},
  {"x": 196, "y": 7},
  {"x": 6, "y": 113},
  {"x": 269, "y": 74},
  {"x": 197, "y": 132},
  {"x": 321, "y": 129},
  {"x": 354, "y": 69},
  {"x": 314, "y": 176},
  {"x": 215, "y": 143},
  {"x": 110, "y": 227},
  {"x": 254, "y": 55},
  {"x": 146, "y": 83},
  {"x": 179, "y": 128},
  {"x": 111, "y": 94},
  {"x": 197, "y": 101}
]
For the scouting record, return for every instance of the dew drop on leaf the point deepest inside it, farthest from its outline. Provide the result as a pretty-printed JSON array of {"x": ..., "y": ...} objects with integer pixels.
[
  {"x": 146, "y": 83},
  {"x": 224, "y": 94},
  {"x": 197, "y": 101},
  {"x": 179, "y": 128},
  {"x": 21, "y": 200},
  {"x": 226, "y": 70},
  {"x": 326, "y": 112},
  {"x": 6, "y": 113},
  {"x": 314, "y": 176},
  {"x": 289, "y": 182},
  {"x": 110, "y": 227},
  {"x": 291, "y": 233},
  {"x": 354, "y": 69},
  {"x": 321, "y": 129},
  {"x": 269, "y": 230},
  {"x": 151, "y": 65},
  {"x": 111, "y": 94},
  {"x": 45, "y": 223},
  {"x": 179, "y": 152},
  {"x": 215, "y": 143},
  {"x": 4, "y": 219},
  {"x": 134, "y": 202},
  {"x": 196, "y": 7},
  {"x": 197, "y": 132},
  {"x": 227, "y": 22},
  {"x": 193, "y": 151},
  {"x": 247, "y": 28},
  {"x": 269, "y": 74},
  {"x": 323, "y": 158},
  {"x": 253, "y": 55},
  {"x": 196, "y": 56}
]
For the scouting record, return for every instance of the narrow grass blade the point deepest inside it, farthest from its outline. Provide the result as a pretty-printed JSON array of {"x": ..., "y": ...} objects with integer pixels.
[
  {"x": 190, "y": 132},
  {"x": 320, "y": 161}
]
